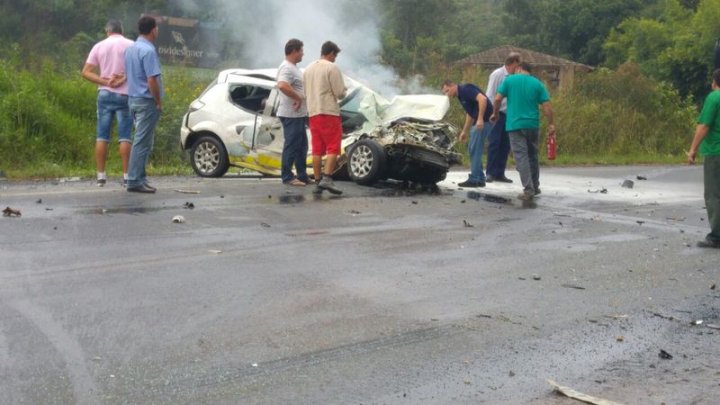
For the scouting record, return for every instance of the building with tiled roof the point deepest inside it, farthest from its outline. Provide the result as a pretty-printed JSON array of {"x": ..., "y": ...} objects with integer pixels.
[{"x": 557, "y": 71}]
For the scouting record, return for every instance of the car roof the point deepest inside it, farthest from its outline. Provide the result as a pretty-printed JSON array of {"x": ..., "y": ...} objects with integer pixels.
[{"x": 254, "y": 76}]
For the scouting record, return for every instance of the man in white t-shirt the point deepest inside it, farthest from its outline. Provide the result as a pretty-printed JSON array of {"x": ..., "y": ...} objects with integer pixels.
[
  {"x": 105, "y": 66},
  {"x": 292, "y": 111},
  {"x": 499, "y": 139}
]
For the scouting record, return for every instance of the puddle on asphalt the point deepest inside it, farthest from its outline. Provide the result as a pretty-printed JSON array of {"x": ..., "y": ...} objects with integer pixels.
[
  {"x": 474, "y": 195},
  {"x": 477, "y": 196},
  {"x": 124, "y": 210},
  {"x": 291, "y": 199}
]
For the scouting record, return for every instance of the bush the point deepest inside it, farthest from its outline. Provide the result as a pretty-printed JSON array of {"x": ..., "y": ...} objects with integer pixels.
[
  {"x": 622, "y": 113},
  {"x": 48, "y": 116}
]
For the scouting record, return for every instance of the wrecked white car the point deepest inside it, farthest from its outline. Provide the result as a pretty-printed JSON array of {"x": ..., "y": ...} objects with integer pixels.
[{"x": 233, "y": 122}]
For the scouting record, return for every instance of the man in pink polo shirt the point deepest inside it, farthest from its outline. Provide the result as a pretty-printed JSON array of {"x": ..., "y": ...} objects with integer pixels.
[{"x": 105, "y": 66}]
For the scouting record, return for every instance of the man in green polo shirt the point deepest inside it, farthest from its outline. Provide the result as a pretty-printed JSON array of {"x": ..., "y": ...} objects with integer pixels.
[
  {"x": 525, "y": 94},
  {"x": 707, "y": 139}
]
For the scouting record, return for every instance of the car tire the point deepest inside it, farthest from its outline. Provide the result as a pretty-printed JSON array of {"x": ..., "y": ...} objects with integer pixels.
[
  {"x": 209, "y": 157},
  {"x": 366, "y": 162}
]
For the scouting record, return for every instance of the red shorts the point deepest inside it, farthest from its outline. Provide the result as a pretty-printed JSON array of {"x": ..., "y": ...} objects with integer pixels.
[{"x": 326, "y": 131}]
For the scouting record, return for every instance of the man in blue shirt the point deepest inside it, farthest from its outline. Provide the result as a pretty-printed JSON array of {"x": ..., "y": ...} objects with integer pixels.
[
  {"x": 145, "y": 91},
  {"x": 477, "y": 112}
]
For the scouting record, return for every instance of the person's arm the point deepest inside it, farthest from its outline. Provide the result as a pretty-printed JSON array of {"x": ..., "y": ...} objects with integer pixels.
[
  {"x": 89, "y": 72},
  {"x": 482, "y": 105},
  {"x": 701, "y": 132},
  {"x": 337, "y": 84},
  {"x": 466, "y": 128},
  {"x": 154, "y": 87},
  {"x": 496, "y": 106},
  {"x": 492, "y": 86},
  {"x": 287, "y": 90},
  {"x": 548, "y": 111}
]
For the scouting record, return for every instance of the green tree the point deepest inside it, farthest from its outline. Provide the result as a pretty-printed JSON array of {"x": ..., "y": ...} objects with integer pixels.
[
  {"x": 575, "y": 29},
  {"x": 676, "y": 46}
]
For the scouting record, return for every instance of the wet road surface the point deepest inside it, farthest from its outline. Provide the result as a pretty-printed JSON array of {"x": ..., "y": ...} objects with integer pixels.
[{"x": 384, "y": 295}]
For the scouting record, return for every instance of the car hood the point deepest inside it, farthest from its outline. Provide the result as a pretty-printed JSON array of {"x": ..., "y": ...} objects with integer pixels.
[{"x": 378, "y": 110}]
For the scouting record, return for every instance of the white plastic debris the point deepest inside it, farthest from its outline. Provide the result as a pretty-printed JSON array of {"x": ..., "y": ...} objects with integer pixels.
[{"x": 178, "y": 219}]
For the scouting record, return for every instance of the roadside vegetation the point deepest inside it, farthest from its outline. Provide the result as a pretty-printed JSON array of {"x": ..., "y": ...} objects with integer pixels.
[{"x": 653, "y": 60}]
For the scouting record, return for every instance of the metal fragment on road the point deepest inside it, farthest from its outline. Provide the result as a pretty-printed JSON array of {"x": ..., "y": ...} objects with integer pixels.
[
  {"x": 628, "y": 184},
  {"x": 188, "y": 205},
  {"x": 641, "y": 177},
  {"x": 178, "y": 219},
  {"x": 215, "y": 251},
  {"x": 467, "y": 224},
  {"x": 573, "y": 286},
  {"x": 665, "y": 355},
  {"x": 264, "y": 225},
  {"x": 187, "y": 191},
  {"x": 697, "y": 322},
  {"x": 571, "y": 393},
  {"x": 11, "y": 212}
]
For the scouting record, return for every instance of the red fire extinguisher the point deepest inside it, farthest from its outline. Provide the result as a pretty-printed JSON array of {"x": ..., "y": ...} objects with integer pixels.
[{"x": 551, "y": 146}]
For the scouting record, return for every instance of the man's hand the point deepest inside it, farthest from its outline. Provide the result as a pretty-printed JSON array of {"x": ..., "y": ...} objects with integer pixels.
[
  {"x": 462, "y": 137},
  {"x": 691, "y": 157},
  {"x": 493, "y": 117},
  {"x": 297, "y": 104},
  {"x": 479, "y": 125},
  {"x": 117, "y": 80}
]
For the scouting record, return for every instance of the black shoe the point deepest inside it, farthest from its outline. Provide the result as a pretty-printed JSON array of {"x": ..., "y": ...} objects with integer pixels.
[
  {"x": 708, "y": 244},
  {"x": 502, "y": 179},
  {"x": 489, "y": 179},
  {"x": 150, "y": 187},
  {"x": 142, "y": 189},
  {"x": 101, "y": 182},
  {"x": 537, "y": 191},
  {"x": 471, "y": 184}
]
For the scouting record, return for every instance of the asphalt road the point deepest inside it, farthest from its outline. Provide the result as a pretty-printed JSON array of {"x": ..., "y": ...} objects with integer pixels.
[{"x": 385, "y": 295}]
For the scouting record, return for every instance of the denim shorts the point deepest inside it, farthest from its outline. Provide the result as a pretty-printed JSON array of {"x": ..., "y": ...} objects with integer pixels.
[{"x": 113, "y": 105}]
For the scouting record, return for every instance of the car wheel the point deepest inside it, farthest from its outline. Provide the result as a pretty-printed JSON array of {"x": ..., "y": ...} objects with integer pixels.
[
  {"x": 366, "y": 161},
  {"x": 209, "y": 157}
]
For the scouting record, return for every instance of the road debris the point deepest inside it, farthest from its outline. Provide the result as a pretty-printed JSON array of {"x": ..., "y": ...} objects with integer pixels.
[
  {"x": 628, "y": 184},
  {"x": 215, "y": 251},
  {"x": 712, "y": 287},
  {"x": 39, "y": 201},
  {"x": 576, "y": 287},
  {"x": 264, "y": 225},
  {"x": 178, "y": 219},
  {"x": 536, "y": 277},
  {"x": 696, "y": 322},
  {"x": 11, "y": 212},
  {"x": 571, "y": 393},
  {"x": 601, "y": 191},
  {"x": 641, "y": 177},
  {"x": 617, "y": 316},
  {"x": 665, "y": 355},
  {"x": 712, "y": 326},
  {"x": 467, "y": 224},
  {"x": 640, "y": 222},
  {"x": 188, "y": 205},
  {"x": 179, "y": 190},
  {"x": 620, "y": 338}
]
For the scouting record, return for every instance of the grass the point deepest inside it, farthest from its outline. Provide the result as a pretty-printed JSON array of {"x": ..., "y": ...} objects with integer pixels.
[{"x": 47, "y": 121}]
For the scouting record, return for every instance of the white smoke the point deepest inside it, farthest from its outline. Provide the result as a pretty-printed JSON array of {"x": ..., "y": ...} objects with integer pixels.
[{"x": 263, "y": 27}]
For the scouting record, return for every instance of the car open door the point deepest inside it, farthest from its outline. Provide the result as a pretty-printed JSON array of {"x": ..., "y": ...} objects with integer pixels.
[{"x": 268, "y": 129}]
